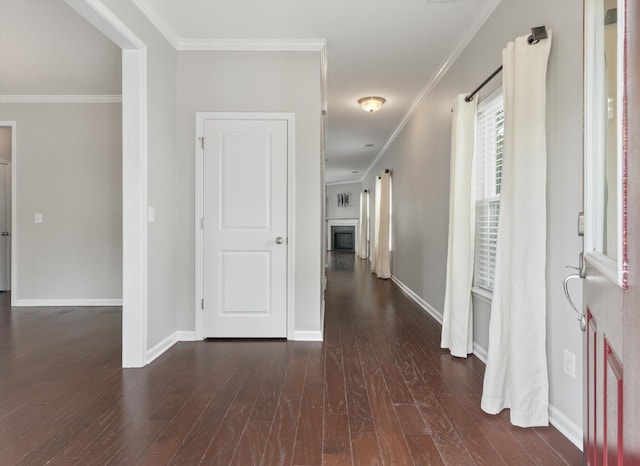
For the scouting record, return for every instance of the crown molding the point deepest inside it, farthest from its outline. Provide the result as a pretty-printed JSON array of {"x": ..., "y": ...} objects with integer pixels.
[
  {"x": 482, "y": 17},
  {"x": 151, "y": 12},
  {"x": 252, "y": 45},
  {"x": 60, "y": 99},
  {"x": 225, "y": 45},
  {"x": 335, "y": 183}
]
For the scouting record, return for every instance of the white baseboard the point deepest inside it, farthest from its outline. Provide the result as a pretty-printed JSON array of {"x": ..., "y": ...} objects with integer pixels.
[
  {"x": 572, "y": 431},
  {"x": 421, "y": 302},
  {"x": 161, "y": 347},
  {"x": 66, "y": 302},
  {"x": 565, "y": 426},
  {"x": 479, "y": 352},
  {"x": 307, "y": 335},
  {"x": 186, "y": 335}
]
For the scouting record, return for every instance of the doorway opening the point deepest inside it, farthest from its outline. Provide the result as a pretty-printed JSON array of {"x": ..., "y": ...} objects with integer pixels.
[{"x": 7, "y": 209}]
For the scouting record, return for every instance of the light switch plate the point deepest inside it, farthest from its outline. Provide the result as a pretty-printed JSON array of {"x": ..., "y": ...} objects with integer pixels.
[{"x": 38, "y": 218}]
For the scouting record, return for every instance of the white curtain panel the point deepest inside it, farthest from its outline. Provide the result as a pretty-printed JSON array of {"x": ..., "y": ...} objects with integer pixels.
[
  {"x": 363, "y": 226},
  {"x": 380, "y": 264},
  {"x": 376, "y": 224},
  {"x": 457, "y": 319},
  {"x": 516, "y": 372}
]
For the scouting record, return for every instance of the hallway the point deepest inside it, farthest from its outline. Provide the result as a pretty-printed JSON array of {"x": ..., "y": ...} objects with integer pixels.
[{"x": 377, "y": 391}]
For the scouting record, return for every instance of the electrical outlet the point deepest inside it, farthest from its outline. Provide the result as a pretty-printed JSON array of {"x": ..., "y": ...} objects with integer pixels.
[{"x": 569, "y": 364}]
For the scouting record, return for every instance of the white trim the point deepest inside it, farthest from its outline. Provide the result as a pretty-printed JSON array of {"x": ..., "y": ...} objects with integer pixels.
[
  {"x": 67, "y": 302},
  {"x": 134, "y": 208},
  {"x": 291, "y": 218},
  {"x": 60, "y": 99},
  {"x": 572, "y": 431},
  {"x": 593, "y": 143},
  {"x": 482, "y": 294},
  {"x": 481, "y": 18},
  {"x": 151, "y": 12},
  {"x": 421, "y": 302},
  {"x": 307, "y": 335},
  {"x": 335, "y": 183},
  {"x": 186, "y": 335},
  {"x": 107, "y": 23},
  {"x": 134, "y": 178},
  {"x": 161, "y": 347},
  {"x": 480, "y": 353},
  {"x": 568, "y": 428},
  {"x": 348, "y": 222},
  {"x": 225, "y": 45},
  {"x": 252, "y": 45}
]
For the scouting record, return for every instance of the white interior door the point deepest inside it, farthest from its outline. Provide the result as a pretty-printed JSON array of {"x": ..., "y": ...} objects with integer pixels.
[
  {"x": 245, "y": 228},
  {"x": 5, "y": 244}
]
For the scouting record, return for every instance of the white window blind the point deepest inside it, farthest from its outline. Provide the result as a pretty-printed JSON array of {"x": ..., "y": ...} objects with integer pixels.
[{"x": 488, "y": 176}]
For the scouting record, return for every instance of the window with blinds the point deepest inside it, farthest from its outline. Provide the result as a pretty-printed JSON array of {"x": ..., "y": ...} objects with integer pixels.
[{"x": 488, "y": 176}]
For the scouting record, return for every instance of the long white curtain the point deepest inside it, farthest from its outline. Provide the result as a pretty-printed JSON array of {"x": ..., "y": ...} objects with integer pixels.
[
  {"x": 516, "y": 372},
  {"x": 457, "y": 321},
  {"x": 363, "y": 226},
  {"x": 380, "y": 260}
]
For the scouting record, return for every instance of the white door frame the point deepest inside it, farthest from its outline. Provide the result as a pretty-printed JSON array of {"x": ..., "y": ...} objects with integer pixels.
[
  {"x": 134, "y": 178},
  {"x": 199, "y": 171}
]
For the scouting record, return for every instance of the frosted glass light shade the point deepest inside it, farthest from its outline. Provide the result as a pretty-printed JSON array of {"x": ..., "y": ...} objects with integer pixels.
[{"x": 371, "y": 104}]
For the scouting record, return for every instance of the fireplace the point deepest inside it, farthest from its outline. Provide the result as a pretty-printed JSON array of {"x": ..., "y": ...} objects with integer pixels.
[{"x": 343, "y": 238}]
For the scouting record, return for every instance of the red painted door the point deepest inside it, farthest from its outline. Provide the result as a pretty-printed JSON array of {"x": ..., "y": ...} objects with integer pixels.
[{"x": 612, "y": 282}]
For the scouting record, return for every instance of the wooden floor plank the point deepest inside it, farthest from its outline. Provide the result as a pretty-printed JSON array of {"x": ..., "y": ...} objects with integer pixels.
[
  {"x": 308, "y": 444},
  {"x": 378, "y": 391}
]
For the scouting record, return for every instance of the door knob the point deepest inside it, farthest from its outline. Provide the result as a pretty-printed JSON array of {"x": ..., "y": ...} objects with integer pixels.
[
  {"x": 5, "y": 233},
  {"x": 279, "y": 240}
]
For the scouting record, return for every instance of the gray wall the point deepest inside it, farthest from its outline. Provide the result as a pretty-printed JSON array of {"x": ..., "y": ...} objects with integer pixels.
[
  {"x": 69, "y": 168},
  {"x": 47, "y": 48},
  {"x": 68, "y": 155},
  {"x": 5, "y": 143},
  {"x": 353, "y": 211},
  {"x": 253, "y": 82},
  {"x": 161, "y": 70},
  {"x": 419, "y": 159}
]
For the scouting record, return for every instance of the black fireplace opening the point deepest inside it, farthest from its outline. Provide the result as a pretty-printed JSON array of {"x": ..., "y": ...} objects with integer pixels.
[{"x": 343, "y": 238}]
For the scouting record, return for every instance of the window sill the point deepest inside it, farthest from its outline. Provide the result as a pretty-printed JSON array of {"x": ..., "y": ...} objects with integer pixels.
[{"x": 482, "y": 294}]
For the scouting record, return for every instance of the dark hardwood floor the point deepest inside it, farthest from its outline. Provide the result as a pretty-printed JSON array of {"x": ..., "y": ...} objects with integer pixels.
[{"x": 377, "y": 391}]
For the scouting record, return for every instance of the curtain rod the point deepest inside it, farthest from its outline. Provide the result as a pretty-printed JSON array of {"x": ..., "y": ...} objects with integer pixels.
[{"x": 537, "y": 34}]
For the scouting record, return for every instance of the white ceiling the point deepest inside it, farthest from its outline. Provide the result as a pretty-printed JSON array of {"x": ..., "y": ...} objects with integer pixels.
[{"x": 389, "y": 48}]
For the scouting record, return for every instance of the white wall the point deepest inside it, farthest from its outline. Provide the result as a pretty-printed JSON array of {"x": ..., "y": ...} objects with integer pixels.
[
  {"x": 161, "y": 71},
  {"x": 419, "y": 159},
  {"x": 5, "y": 143},
  {"x": 247, "y": 82},
  {"x": 353, "y": 210},
  {"x": 69, "y": 168}
]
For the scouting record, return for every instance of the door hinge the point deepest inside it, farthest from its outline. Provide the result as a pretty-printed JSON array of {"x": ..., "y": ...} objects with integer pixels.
[
  {"x": 202, "y": 142},
  {"x": 202, "y": 303},
  {"x": 202, "y": 223}
]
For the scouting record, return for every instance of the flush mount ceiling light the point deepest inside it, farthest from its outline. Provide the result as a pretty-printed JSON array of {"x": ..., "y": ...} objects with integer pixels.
[{"x": 371, "y": 104}]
